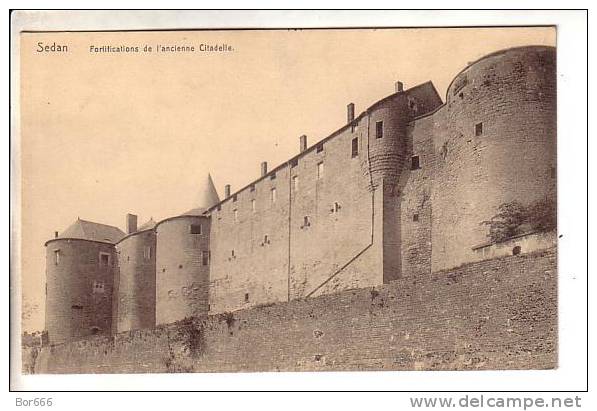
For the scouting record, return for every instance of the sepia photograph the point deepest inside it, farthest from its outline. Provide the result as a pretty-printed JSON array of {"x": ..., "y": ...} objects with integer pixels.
[{"x": 287, "y": 200}]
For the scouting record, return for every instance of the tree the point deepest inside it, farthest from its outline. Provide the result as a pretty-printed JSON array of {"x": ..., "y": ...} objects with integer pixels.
[
  {"x": 542, "y": 215},
  {"x": 506, "y": 223},
  {"x": 513, "y": 218}
]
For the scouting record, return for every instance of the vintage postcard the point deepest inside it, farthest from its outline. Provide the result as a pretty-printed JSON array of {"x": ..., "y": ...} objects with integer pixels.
[{"x": 259, "y": 200}]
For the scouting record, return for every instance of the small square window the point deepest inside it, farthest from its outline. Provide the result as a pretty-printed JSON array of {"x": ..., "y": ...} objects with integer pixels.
[
  {"x": 415, "y": 163},
  {"x": 379, "y": 129},
  {"x": 294, "y": 162},
  {"x": 319, "y": 148},
  {"x": 104, "y": 259},
  {"x": 196, "y": 229},
  {"x": 252, "y": 188},
  {"x": 355, "y": 147},
  {"x": 320, "y": 170},
  {"x": 479, "y": 129}
]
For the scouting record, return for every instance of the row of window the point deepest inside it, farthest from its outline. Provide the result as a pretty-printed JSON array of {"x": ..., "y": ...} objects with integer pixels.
[{"x": 104, "y": 258}]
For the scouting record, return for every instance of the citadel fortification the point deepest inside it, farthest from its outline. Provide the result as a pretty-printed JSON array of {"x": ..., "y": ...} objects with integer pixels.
[{"x": 395, "y": 195}]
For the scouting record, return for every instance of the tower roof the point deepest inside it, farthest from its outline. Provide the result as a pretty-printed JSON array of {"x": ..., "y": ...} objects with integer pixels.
[
  {"x": 88, "y": 230},
  {"x": 208, "y": 196},
  {"x": 147, "y": 225}
]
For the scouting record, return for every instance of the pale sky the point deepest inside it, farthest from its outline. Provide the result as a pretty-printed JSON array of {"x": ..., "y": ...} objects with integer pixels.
[{"x": 103, "y": 134}]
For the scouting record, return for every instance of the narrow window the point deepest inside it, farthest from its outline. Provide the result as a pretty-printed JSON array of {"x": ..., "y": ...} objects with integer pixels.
[
  {"x": 265, "y": 239},
  {"x": 104, "y": 259},
  {"x": 319, "y": 147},
  {"x": 246, "y": 297},
  {"x": 355, "y": 147},
  {"x": 196, "y": 228},
  {"x": 414, "y": 163},
  {"x": 234, "y": 198},
  {"x": 415, "y": 217},
  {"x": 273, "y": 195},
  {"x": 479, "y": 129},
  {"x": 147, "y": 253},
  {"x": 306, "y": 222},
  {"x": 204, "y": 257},
  {"x": 379, "y": 129},
  {"x": 253, "y": 206},
  {"x": 232, "y": 253},
  {"x": 272, "y": 176},
  {"x": 295, "y": 183},
  {"x": 320, "y": 170},
  {"x": 235, "y": 211},
  {"x": 56, "y": 257},
  {"x": 553, "y": 172}
]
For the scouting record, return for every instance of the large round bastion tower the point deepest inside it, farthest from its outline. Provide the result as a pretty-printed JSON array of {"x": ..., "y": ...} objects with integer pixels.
[{"x": 496, "y": 143}]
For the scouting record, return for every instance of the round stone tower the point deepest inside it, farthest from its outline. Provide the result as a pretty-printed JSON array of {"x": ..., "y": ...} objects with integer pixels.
[
  {"x": 135, "y": 280},
  {"x": 499, "y": 145},
  {"x": 182, "y": 261},
  {"x": 80, "y": 267}
]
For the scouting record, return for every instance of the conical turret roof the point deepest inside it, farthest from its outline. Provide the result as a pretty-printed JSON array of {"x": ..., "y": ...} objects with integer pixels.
[{"x": 208, "y": 196}]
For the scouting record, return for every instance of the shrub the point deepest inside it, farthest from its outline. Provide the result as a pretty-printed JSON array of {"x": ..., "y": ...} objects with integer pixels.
[
  {"x": 512, "y": 218},
  {"x": 506, "y": 223},
  {"x": 542, "y": 215}
]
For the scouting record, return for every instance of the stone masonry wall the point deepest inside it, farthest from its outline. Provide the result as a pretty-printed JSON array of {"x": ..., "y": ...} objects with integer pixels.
[
  {"x": 496, "y": 143},
  {"x": 493, "y": 314}
]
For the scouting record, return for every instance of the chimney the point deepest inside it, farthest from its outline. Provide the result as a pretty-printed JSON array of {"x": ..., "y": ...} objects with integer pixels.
[
  {"x": 303, "y": 140},
  {"x": 399, "y": 87},
  {"x": 55, "y": 234},
  {"x": 227, "y": 191},
  {"x": 263, "y": 168},
  {"x": 131, "y": 223},
  {"x": 350, "y": 112}
]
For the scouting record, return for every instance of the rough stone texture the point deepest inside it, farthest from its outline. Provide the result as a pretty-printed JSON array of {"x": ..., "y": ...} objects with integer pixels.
[
  {"x": 78, "y": 289},
  {"x": 493, "y": 314},
  {"x": 134, "y": 285},
  {"x": 182, "y": 278},
  {"x": 513, "y": 93},
  {"x": 351, "y": 223}
]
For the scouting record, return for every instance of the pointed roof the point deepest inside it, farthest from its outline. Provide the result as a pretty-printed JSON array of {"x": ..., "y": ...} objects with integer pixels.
[
  {"x": 147, "y": 225},
  {"x": 208, "y": 196},
  {"x": 88, "y": 230}
]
